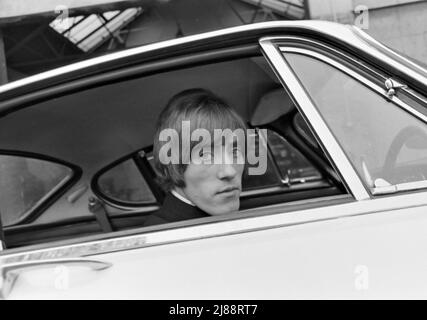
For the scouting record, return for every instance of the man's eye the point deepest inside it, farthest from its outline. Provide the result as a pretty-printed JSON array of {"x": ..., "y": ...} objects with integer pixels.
[
  {"x": 205, "y": 155},
  {"x": 237, "y": 153}
]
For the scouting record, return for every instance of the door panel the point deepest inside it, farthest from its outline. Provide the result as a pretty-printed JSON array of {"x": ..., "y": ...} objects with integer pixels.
[{"x": 366, "y": 256}]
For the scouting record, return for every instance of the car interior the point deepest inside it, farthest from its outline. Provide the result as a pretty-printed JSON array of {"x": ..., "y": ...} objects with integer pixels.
[{"x": 96, "y": 149}]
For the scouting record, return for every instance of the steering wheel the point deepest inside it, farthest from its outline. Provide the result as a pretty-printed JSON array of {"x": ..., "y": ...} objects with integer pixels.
[{"x": 398, "y": 142}]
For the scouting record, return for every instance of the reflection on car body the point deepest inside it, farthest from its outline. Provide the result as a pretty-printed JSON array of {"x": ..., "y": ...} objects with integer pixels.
[{"x": 76, "y": 154}]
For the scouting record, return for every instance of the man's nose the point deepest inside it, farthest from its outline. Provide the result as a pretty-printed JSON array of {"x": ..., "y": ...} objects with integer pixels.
[
  {"x": 226, "y": 171},
  {"x": 227, "y": 168}
]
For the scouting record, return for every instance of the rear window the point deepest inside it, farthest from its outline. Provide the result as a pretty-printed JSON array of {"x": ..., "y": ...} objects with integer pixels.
[
  {"x": 125, "y": 184},
  {"x": 26, "y": 184}
]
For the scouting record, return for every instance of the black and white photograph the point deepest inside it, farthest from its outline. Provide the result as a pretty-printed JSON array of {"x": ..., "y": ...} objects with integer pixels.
[{"x": 213, "y": 153}]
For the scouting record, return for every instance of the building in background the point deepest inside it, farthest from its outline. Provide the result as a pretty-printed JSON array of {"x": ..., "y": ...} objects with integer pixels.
[
  {"x": 37, "y": 36},
  {"x": 399, "y": 24},
  {"x": 40, "y": 35}
]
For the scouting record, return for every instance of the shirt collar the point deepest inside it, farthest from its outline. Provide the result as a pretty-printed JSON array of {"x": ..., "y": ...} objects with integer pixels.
[{"x": 182, "y": 198}]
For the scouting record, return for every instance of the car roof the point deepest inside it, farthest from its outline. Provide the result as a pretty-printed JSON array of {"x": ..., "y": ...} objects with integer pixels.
[
  {"x": 328, "y": 29},
  {"x": 40, "y": 120},
  {"x": 346, "y": 35}
]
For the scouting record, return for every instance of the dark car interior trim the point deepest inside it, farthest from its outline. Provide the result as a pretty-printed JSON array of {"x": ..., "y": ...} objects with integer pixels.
[{"x": 115, "y": 76}]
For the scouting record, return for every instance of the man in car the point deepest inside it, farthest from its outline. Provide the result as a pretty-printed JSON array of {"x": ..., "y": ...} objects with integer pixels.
[{"x": 201, "y": 172}]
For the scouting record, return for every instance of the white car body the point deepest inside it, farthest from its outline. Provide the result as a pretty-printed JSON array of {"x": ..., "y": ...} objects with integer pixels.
[{"x": 355, "y": 246}]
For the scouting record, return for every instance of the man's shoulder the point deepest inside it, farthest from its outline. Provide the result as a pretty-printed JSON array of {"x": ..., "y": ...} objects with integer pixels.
[
  {"x": 174, "y": 210},
  {"x": 153, "y": 220}
]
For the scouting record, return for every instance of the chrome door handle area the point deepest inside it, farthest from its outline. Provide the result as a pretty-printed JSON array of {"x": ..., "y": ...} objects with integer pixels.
[{"x": 10, "y": 272}]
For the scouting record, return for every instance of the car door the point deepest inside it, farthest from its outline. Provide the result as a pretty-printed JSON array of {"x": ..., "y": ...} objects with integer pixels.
[
  {"x": 302, "y": 254},
  {"x": 364, "y": 244}
]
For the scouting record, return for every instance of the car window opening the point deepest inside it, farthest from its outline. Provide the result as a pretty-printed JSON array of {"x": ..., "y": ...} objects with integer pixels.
[
  {"x": 115, "y": 151},
  {"x": 389, "y": 152}
]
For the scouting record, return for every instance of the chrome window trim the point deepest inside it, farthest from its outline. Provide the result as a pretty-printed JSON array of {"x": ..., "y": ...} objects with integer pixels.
[
  {"x": 127, "y": 210},
  {"x": 414, "y": 95},
  {"x": 350, "y": 72},
  {"x": 260, "y": 191},
  {"x": 364, "y": 45},
  {"x": 121, "y": 240},
  {"x": 344, "y": 33},
  {"x": 310, "y": 112},
  {"x": 333, "y": 29},
  {"x": 407, "y": 186},
  {"x": 380, "y": 90},
  {"x": 381, "y": 77},
  {"x": 140, "y": 207},
  {"x": 273, "y": 217},
  {"x": 370, "y": 40},
  {"x": 285, "y": 188}
]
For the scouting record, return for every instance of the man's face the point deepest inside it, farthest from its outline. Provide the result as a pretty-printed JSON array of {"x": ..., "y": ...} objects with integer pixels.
[{"x": 215, "y": 188}]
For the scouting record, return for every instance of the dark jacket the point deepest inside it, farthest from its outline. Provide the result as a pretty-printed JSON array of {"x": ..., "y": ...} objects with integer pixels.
[{"x": 174, "y": 210}]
